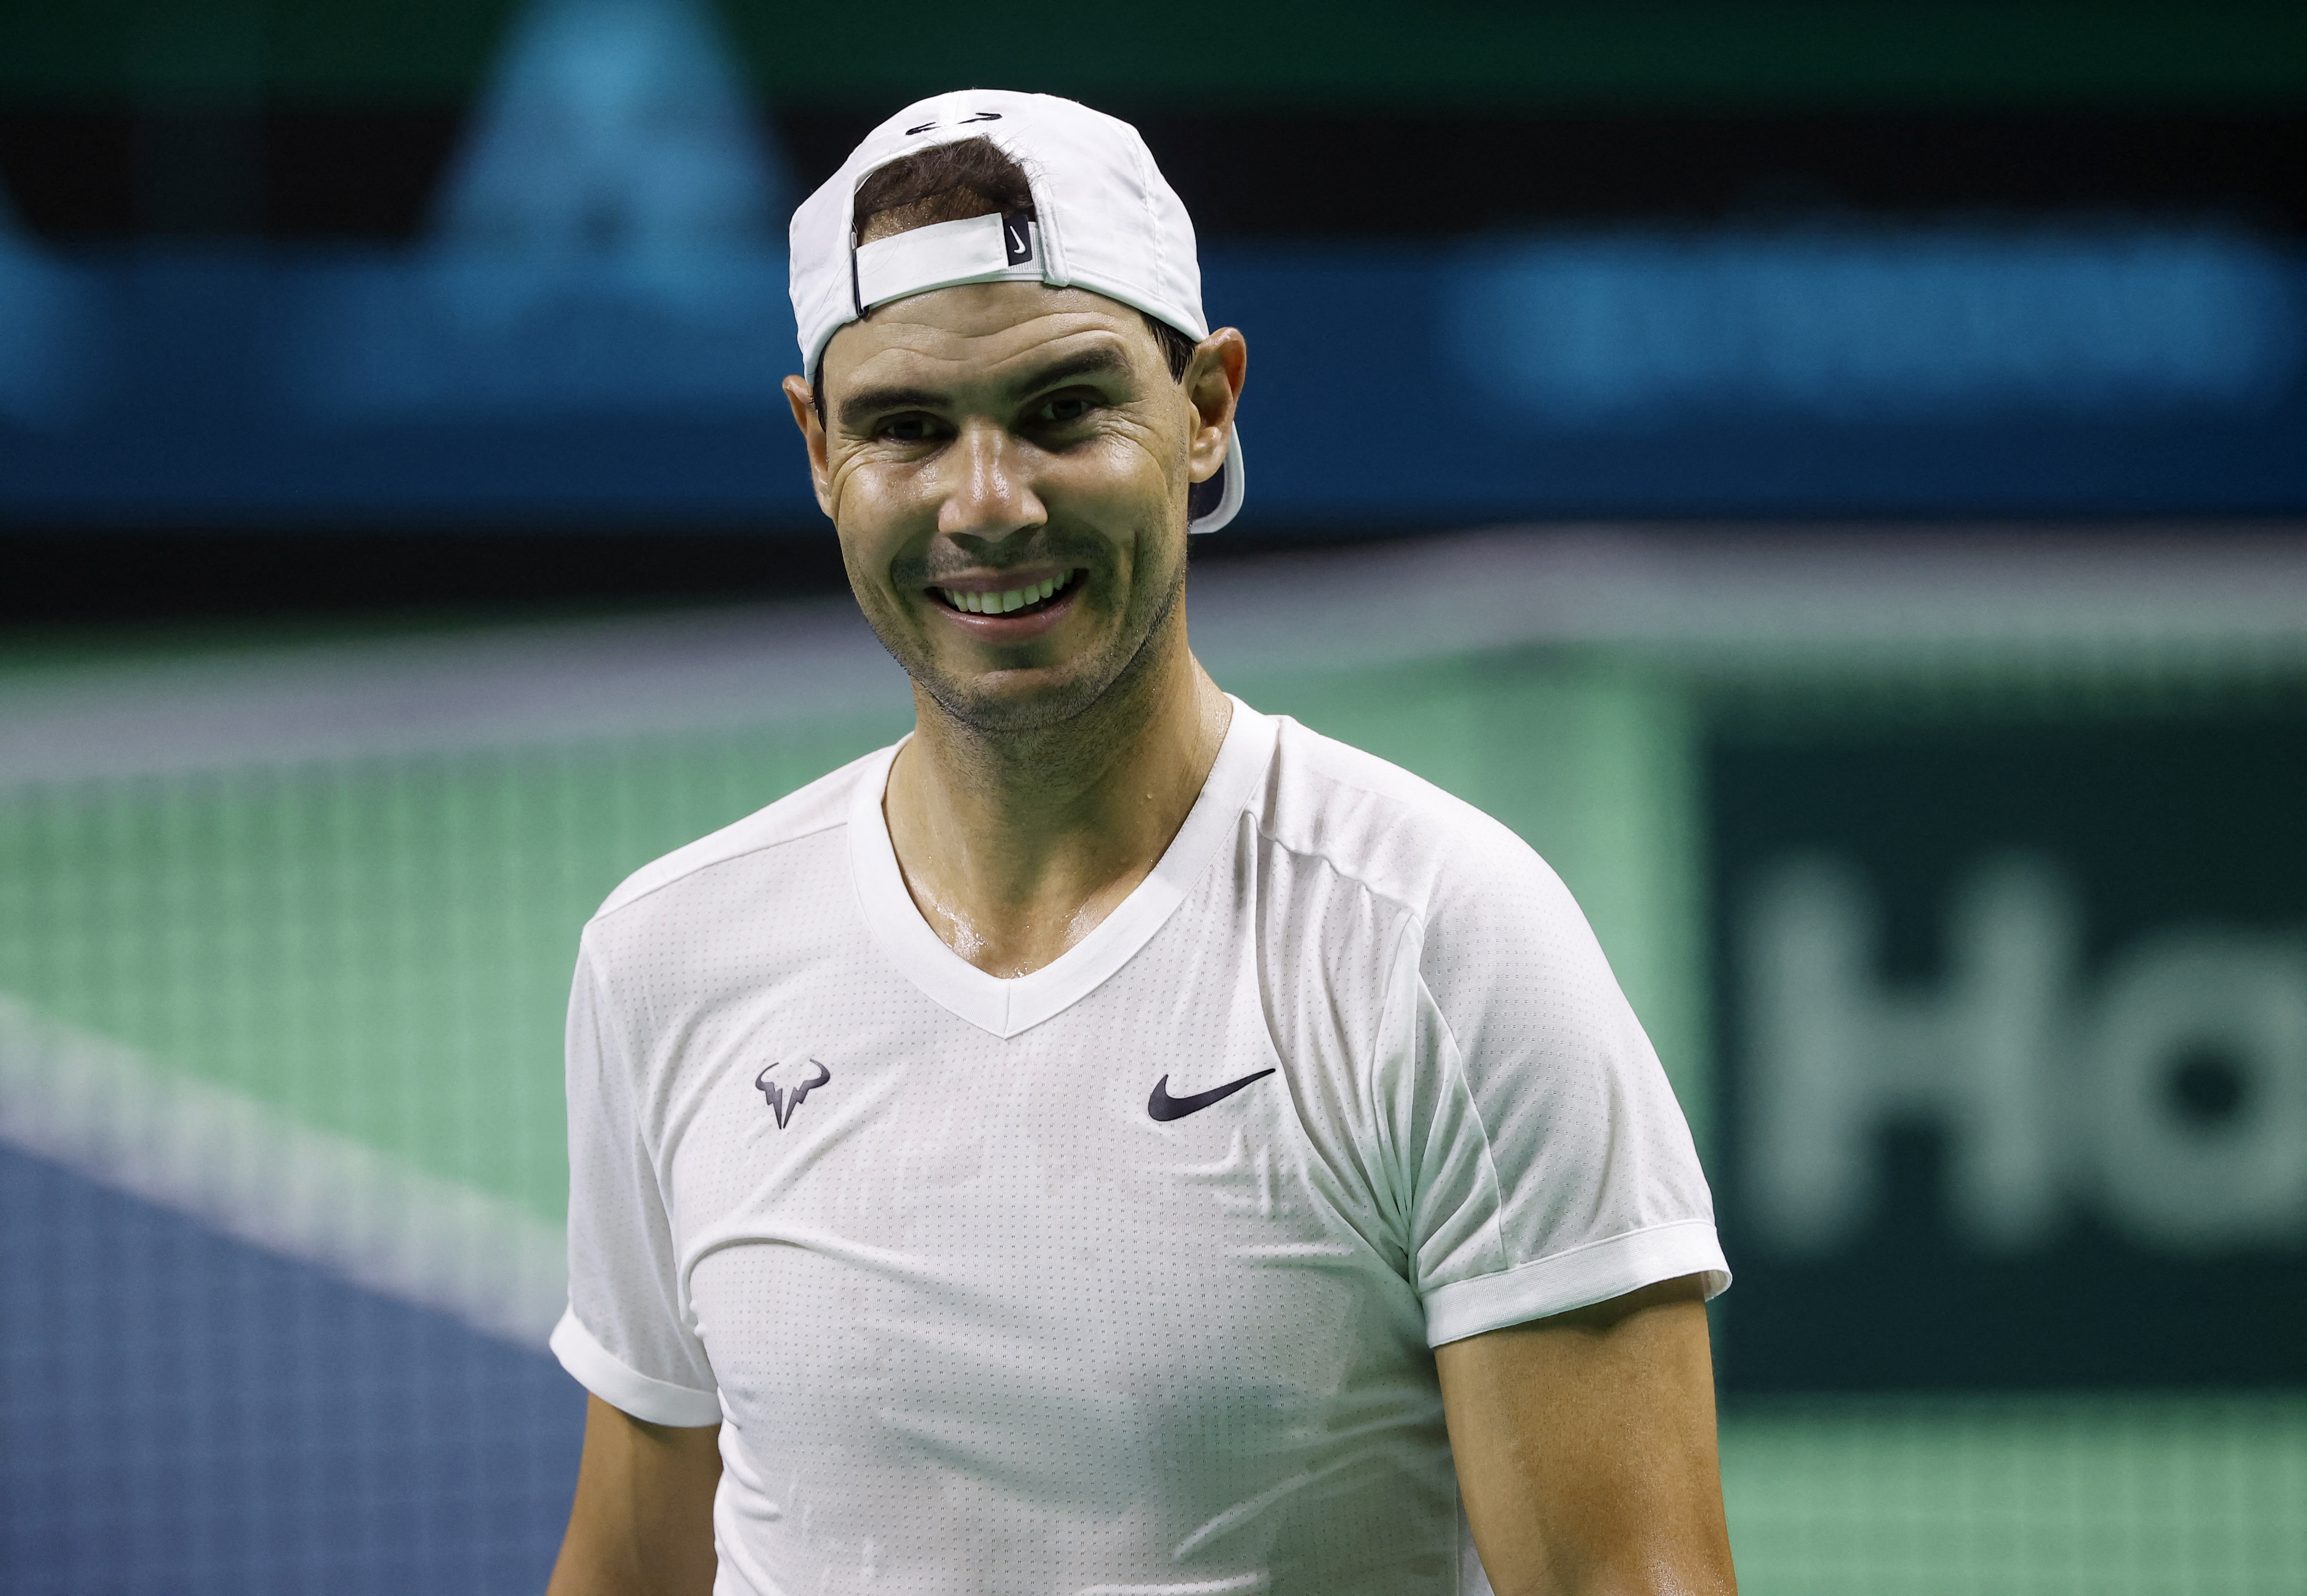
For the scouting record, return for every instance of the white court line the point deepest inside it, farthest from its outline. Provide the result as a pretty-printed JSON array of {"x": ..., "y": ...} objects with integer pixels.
[
  {"x": 1740, "y": 600},
  {"x": 109, "y": 1114},
  {"x": 498, "y": 687}
]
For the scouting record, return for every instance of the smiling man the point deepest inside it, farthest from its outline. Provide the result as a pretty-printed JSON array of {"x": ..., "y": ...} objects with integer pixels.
[{"x": 1113, "y": 1141}]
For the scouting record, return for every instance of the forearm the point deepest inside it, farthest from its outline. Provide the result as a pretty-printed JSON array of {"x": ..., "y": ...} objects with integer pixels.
[{"x": 642, "y": 1522}]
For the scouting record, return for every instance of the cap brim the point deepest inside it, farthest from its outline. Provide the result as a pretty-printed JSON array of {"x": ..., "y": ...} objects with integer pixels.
[{"x": 1228, "y": 481}]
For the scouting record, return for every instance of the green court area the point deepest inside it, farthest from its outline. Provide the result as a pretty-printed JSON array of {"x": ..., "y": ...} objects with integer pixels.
[
  {"x": 2019, "y": 1496},
  {"x": 379, "y": 949}
]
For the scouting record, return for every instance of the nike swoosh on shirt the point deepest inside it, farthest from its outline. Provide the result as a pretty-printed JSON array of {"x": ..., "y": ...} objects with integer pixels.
[{"x": 1161, "y": 1106}]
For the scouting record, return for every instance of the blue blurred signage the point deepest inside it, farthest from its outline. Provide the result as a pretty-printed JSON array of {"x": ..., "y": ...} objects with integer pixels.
[
  {"x": 1842, "y": 326},
  {"x": 611, "y": 240},
  {"x": 48, "y": 351}
]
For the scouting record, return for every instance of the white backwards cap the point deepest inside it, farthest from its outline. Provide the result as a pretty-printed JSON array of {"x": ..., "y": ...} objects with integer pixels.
[{"x": 1104, "y": 218}]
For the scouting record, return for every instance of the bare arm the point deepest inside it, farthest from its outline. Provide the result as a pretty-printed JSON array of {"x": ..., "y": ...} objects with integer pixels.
[
  {"x": 1585, "y": 1449},
  {"x": 643, "y": 1521}
]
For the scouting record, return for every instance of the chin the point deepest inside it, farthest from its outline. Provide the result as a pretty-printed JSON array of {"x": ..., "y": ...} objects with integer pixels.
[{"x": 989, "y": 704}]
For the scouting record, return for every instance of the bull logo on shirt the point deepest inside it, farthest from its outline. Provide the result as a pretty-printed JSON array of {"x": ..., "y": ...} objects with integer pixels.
[{"x": 783, "y": 1102}]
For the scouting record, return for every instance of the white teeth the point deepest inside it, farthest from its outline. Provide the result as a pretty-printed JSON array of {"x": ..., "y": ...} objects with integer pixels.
[{"x": 1001, "y": 603}]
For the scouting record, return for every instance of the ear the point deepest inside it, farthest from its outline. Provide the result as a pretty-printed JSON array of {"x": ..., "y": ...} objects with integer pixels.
[
  {"x": 1213, "y": 379},
  {"x": 813, "y": 433}
]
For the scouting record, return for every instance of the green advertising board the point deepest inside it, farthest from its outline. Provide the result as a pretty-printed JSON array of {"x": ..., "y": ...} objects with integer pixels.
[{"x": 2013, "y": 1047}]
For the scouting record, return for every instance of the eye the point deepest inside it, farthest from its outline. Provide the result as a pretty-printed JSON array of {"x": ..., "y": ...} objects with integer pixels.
[
  {"x": 1068, "y": 407},
  {"x": 914, "y": 428}
]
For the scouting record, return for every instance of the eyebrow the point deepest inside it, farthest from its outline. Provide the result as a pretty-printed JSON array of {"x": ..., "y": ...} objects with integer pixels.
[{"x": 1104, "y": 359}]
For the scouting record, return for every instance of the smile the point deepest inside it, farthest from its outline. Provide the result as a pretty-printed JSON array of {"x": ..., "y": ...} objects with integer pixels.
[{"x": 1010, "y": 600}]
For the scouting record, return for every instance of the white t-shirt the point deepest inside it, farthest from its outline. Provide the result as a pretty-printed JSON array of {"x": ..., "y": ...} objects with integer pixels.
[{"x": 1120, "y": 1277}]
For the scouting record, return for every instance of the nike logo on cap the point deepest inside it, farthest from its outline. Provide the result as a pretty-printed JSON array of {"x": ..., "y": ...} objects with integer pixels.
[
  {"x": 1161, "y": 1106},
  {"x": 964, "y": 121}
]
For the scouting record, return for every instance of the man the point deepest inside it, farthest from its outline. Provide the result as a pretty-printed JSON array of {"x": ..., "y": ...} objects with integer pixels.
[{"x": 1113, "y": 1141}]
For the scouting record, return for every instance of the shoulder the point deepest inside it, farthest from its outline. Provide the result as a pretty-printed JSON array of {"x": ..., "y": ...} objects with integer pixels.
[
  {"x": 1396, "y": 834},
  {"x": 816, "y": 812},
  {"x": 1491, "y": 918}
]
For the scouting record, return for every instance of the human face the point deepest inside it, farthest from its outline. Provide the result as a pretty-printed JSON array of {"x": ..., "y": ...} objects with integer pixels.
[{"x": 1007, "y": 465}]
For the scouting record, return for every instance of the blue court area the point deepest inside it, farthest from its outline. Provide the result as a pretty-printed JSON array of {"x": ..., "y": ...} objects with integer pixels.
[{"x": 285, "y": 1432}]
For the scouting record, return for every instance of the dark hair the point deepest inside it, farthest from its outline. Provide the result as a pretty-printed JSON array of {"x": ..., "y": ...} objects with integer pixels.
[{"x": 952, "y": 182}]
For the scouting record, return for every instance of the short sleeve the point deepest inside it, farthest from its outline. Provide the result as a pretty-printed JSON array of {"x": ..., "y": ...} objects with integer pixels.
[
  {"x": 624, "y": 1337},
  {"x": 1549, "y": 1166}
]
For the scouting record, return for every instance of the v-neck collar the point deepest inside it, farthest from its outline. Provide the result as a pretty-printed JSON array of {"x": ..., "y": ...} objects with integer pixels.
[{"x": 1008, "y": 1006}]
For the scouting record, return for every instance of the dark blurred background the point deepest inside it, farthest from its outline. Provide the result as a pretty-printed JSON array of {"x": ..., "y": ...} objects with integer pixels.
[
  {"x": 1830, "y": 475},
  {"x": 285, "y": 282}
]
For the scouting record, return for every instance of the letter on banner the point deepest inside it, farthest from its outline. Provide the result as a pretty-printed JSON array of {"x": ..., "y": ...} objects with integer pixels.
[{"x": 1835, "y": 1055}]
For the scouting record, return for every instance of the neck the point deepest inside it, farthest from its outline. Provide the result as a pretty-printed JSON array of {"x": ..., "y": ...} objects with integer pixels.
[{"x": 1016, "y": 843}]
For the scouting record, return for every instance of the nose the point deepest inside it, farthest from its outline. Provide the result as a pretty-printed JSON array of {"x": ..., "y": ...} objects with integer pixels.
[{"x": 984, "y": 492}]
